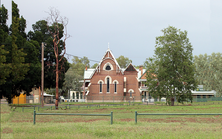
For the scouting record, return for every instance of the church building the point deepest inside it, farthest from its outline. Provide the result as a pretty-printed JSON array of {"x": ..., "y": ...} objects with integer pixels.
[{"x": 108, "y": 82}]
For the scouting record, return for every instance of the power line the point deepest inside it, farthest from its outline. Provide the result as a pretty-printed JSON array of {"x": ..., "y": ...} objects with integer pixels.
[{"x": 82, "y": 57}]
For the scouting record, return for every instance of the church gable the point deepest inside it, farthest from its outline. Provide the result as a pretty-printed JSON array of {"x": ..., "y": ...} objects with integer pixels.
[
  {"x": 107, "y": 63},
  {"x": 130, "y": 68},
  {"x": 108, "y": 55}
]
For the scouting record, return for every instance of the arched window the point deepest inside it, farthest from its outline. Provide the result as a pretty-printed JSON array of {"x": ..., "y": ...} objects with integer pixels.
[
  {"x": 73, "y": 96},
  {"x": 100, "y": 87},
  {"x": 77, "y": 95},
  {"x": 115, "y": 87},
  {"x": 131, "y": 93},
  {"x": 108, "y": 67},
  {"x": 107, "y": 84}
]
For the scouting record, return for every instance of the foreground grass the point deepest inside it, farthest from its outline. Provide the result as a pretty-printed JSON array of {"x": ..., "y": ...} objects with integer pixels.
[{"x": 18, "y": 124}]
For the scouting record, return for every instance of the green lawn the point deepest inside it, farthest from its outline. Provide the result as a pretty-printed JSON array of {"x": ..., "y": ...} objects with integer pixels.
[{"x": 18, "y": 124}]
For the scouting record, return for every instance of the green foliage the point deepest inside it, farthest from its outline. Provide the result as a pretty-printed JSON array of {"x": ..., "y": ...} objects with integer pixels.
[
  {"x": 72, "y": 80},
  {"x": 123, "y": 61},
  {"x": 95, "y": 65},
  {"x": 4, "y": 68},
  {"x": 41, "y": 34},
  {"x": 171, "y": 71},
  {"x": 79, "y": 64},
  {"x": 18, "y": 68},
  {"x": 52, "y": 91},
  {"x": 75, "y": 73},
  {"x": 24, "y": 67},
  {"x": 209, "y": 72},
  {"x": 15, "y": 58}
]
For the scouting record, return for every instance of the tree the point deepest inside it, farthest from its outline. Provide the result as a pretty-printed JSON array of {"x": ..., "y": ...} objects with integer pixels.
[
  {"x": 209, "y": 72},
  {"x": 4, "y": 67},
  {"x": 123, "y": 61},
  {"x": 22, "y": 59},
  {"x": 172, "y": 66},
  {"x": 15, "y": 58},
  {"x": 72, "y": 81},
  {"x": 41, "y": 34},
  {"x": 54, "y": 23},
  {"x": 75, "y": 73},
  {"x": 31, "y": 49},
  {"x": 95, "y": 65},
  {"x": 79, "y": 64}
]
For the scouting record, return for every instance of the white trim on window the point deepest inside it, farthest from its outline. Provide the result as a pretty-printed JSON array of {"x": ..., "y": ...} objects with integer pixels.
[
  {"x": 100, "y": 86},
  {"x": 101, "y": 81},
  {"x": 110, "y": 80},
  {"x": 115, "y": 87},
  {"x": 115, "y": 81},
  {"x": 108, "y": 85},
  {"x": 111, "y": 66},
  {"x": 131, "y": 91}
]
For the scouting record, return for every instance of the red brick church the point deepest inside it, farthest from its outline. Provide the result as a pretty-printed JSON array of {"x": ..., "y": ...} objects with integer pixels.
[{"x": 109, "y": 82}]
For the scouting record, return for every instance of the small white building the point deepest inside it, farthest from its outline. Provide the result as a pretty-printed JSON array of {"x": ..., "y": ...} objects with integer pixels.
[
  {"x": 201, "y": 93},
  {"x": 76, "y": 96}
]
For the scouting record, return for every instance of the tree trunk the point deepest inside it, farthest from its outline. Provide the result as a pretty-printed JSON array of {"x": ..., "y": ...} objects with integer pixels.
[
  {"x": 57, "y": 83},
  {"x": 172, "y": 101}
]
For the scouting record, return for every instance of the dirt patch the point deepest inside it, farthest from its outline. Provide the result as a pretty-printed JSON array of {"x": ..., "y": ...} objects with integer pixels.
[
  {"x": 21, "y": 121},
  {"x": 92, "y": 120},
  {"x": 183, "y": 120},
  {"x": 127, "y": 120},
  {"x": 5, "y": 112},
  {"x": 110, "y": 109},
  {"x": 7, "y": 130},
  {"x": 81, "y": 120},
  {"x": 208, "y": 108}
]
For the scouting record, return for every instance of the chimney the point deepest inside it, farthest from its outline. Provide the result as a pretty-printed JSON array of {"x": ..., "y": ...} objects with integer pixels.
[
  {"x": 141, "y": 69},
  {"x": 86, "y": 68}
]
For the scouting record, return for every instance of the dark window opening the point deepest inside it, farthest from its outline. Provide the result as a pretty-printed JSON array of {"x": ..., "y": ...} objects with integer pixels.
[
  {"x": 108, "y": 67},
  {"x": 100, "y": 86},
  {"x": 86, "y": 84},
  {"x": 81, "y": 94},
  {"x": 107, "y": 84},
  {"x": 115, "y": 85},
  {"x": 77, "y": 95}
]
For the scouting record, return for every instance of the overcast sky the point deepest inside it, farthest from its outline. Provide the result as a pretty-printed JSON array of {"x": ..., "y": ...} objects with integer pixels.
[{"x": 130, "y": 26}]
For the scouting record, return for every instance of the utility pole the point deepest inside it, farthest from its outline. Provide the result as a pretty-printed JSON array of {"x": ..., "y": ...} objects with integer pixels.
[{"x": 42, "y": 74}]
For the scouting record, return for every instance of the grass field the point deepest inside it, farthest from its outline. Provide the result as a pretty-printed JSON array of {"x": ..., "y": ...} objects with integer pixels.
[{"x": 19, "y": 125}]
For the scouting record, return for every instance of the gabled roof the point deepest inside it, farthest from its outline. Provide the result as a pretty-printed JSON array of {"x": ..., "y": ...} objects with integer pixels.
[
  {"x": 130, "y": 67},
  {"x": 144, "y": 74},
  {"x": 90, "y": 72},
  {"x": 139, "y": 73}
]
